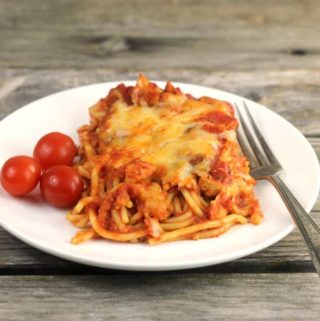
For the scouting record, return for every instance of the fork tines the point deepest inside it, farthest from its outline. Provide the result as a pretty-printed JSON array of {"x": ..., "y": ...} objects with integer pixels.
[{"x": 262, "y": 160}]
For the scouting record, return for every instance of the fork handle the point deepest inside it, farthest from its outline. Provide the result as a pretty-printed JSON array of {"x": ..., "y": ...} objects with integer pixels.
[{"x": 308, "y": 228}]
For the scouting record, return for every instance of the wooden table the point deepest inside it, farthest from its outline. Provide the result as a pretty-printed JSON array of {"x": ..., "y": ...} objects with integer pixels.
[{"x": 268, "y": 51}]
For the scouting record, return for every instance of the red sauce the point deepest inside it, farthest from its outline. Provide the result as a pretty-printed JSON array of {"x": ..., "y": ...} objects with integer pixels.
[
  {"x": 219, "y": 170},
  {"x": 218, "y": 121}
]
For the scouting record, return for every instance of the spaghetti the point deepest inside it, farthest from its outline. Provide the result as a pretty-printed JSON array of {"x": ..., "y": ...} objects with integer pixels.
[{"x": 161, "y": 165}]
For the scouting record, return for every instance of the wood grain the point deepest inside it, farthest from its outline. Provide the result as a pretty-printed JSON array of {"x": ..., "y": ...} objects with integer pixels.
[
  {"x": 143, "y": 35},
  {"x": 267, "y": 51},
  {"x": 161, "y": 296}
]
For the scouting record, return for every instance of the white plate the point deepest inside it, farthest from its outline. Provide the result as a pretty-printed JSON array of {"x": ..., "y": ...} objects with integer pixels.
[{"x": 46, "y": 228}]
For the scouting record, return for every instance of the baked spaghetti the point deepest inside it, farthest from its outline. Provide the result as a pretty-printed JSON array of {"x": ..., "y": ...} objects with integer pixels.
[{"x": 160, "y": 165}]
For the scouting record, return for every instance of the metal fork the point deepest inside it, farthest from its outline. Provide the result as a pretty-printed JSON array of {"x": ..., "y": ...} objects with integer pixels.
[{"x": 264, "y": 165}]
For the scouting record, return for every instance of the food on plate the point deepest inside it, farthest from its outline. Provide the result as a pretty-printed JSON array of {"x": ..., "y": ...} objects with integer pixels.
[
  {"x": 20, "y": 175},
  {"x": 61, "y": 186},
  {"x": 55, "y": 149},
  {"x": 159, "y": 165}
]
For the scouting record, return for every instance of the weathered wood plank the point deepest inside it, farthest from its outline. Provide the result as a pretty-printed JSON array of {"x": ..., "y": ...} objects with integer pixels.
[
  {"x": 161, "y": 296},
  {"x": 290, "y": 254},
  {"x": 293, "y": 94},
  {"x": 176, "y": 17},
  {"x": 221, "y": 35}
]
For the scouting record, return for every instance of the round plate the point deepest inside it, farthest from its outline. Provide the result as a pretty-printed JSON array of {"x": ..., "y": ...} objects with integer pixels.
[{"x": 46, "y": 228}]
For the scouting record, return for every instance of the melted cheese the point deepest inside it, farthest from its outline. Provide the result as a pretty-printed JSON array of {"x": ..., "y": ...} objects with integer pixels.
[{"x": 163, "y": 138}]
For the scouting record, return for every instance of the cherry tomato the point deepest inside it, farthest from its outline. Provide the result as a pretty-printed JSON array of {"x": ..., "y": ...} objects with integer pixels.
[
  {"x": 61, "y": 186},
  {"x": 20, "y": 175},
  {"x": 54, "y": 149}
]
